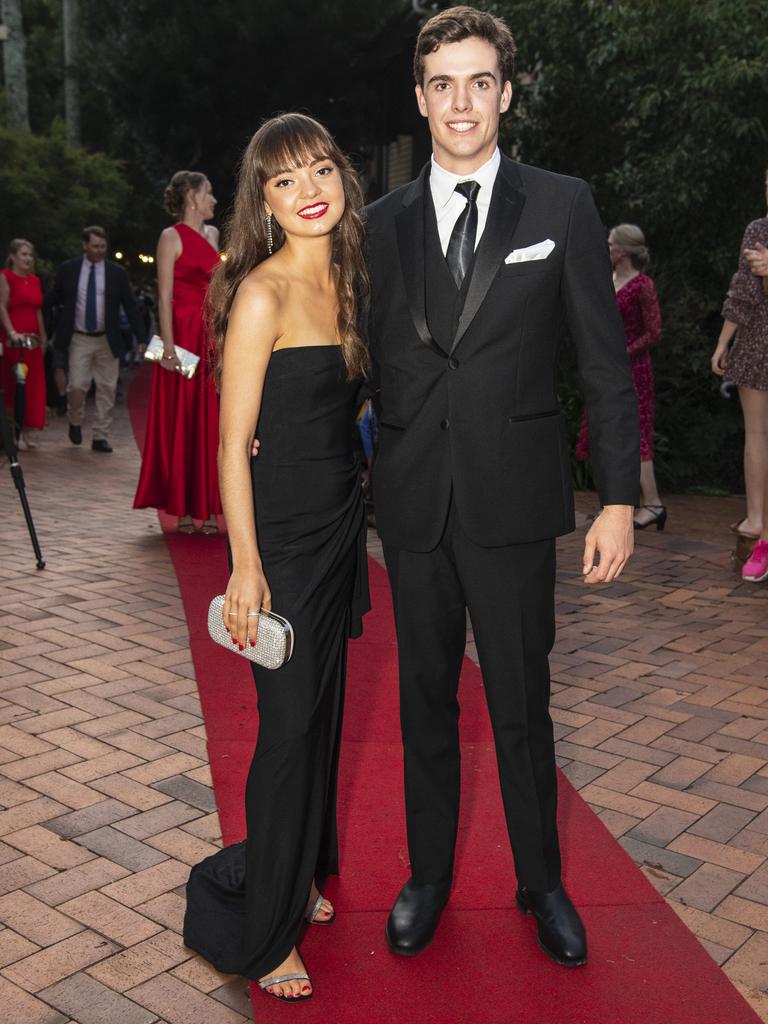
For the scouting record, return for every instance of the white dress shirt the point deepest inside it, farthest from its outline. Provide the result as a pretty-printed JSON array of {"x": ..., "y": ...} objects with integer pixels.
[
  {"x": 82, "y": 288},
  {"x": 449, "y": 204}
]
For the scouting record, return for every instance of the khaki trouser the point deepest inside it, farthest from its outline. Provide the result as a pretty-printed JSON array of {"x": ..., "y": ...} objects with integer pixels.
[{"x": 92, "y": 359}]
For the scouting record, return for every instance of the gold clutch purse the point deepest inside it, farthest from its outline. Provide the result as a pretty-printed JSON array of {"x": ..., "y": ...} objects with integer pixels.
[{"x": 188, "y": 360}]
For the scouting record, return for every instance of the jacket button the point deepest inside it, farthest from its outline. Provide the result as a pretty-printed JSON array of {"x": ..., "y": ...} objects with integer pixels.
[
  {"x": 445, "y": 424},
  {"x": 453, "y": 363}
]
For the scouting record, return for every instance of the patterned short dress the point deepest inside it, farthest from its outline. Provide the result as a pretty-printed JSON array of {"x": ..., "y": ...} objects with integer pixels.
[{"x": 746, "y": 305}]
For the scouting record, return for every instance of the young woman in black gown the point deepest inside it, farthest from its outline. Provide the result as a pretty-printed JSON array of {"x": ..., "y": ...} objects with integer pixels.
[{"x": 285, "y": 307}]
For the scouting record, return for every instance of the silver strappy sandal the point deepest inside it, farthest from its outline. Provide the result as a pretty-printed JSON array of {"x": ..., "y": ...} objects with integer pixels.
[
  {"x": 268, "y": 982},
  {"x": 311, "y": 916}
]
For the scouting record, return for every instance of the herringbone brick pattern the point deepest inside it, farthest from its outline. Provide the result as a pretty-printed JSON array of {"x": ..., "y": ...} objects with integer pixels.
[
  {"x": 660, "y": 702},
  {"x": 105, "y": 791}
]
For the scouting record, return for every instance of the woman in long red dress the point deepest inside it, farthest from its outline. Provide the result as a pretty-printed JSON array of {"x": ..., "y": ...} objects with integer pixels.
[
  {"x": 21, "y": 325},
  {"x": 639, "y": 308},
  {"x": 178, "y": 469}
]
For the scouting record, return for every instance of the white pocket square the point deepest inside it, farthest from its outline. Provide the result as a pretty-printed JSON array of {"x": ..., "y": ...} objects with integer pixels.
[{"x": 538, "y": 251}]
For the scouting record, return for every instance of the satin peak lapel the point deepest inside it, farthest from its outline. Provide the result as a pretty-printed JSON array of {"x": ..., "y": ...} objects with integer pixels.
[
  {"x": 507, "y": 204},
  {"x": 409, "y": 224}
]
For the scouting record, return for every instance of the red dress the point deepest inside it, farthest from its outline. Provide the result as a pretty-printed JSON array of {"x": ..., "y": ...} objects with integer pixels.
[
  {"x": 24, "y": 301},
  {"x": 178, "y": 468},
  {"x": 639, "y": 308}
]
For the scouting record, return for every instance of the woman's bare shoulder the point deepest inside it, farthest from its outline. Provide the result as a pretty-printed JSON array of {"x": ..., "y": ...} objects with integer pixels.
[
  {"x": 170, "y": 238},
  {"x": 260, "y": 295},
  {"x": 267, "y": 283}
]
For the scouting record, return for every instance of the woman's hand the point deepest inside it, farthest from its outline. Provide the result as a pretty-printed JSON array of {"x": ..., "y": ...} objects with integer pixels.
[
  {"x": 758, "y": 260},
  {"x": 719, "y": 357},
  {"x": 247, "y": 594},
  {"x": 171, "y": 361}
]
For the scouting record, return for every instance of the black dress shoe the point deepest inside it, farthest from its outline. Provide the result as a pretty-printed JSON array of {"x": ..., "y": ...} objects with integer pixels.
[
  {"x": 415, "y": 916},
  {"x": 561, "y": 932},
  {"x": 75, "y": 434},
  {"x": 101, "y": 445}
]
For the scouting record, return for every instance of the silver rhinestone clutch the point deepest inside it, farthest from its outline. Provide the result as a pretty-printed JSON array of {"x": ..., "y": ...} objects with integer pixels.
[
  {"x": 188, "y": 361},
  {"x": 274, "y": 640}
]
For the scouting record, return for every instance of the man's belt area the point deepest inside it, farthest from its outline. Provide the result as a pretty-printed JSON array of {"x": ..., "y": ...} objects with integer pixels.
[
  {"x": 23, "y": 341},
  {"x": 92, "y": 334}
]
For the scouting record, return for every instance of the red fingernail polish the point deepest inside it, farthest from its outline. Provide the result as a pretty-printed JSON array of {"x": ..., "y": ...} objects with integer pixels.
[
  {"x": 234, "y": 639},
  {"x": 241, "y": 647},
  {"x": 253, "y": 643}
]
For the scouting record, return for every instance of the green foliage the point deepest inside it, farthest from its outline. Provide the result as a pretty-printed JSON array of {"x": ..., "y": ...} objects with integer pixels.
[
  {"x": 661, "y": 107},
  {"x": 51, "y": 190},
  {"x": 185, "y": 84}
]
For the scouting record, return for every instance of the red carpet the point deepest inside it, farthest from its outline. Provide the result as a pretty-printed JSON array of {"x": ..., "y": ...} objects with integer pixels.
[{"x": 484, "y": 967}]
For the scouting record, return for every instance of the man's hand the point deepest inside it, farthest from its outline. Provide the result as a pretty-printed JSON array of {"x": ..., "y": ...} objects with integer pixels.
[
  {"x": 254, "y": 447},
  {"x": 612, "y": 537}
]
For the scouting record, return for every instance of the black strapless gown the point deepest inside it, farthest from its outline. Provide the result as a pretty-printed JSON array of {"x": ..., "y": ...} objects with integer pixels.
[{"x": 245, "y": 904}]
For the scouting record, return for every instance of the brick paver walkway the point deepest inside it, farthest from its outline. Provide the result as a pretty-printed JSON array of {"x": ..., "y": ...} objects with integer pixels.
[{"x": 660, "y": 703}]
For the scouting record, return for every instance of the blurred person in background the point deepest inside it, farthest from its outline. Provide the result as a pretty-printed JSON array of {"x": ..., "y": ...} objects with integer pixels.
[
  {"x": 178, "y": 468},
  {"x": 23, "y": 338},
  {"x": 89, "y": 291},
  {"x": 745, "y": 325},
  {"x": 639, "y": 308},
  {"x": 147, "y": 307}
]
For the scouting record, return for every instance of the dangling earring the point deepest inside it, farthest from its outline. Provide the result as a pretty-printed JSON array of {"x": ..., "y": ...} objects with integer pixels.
[{"x": 270, "y": 240}]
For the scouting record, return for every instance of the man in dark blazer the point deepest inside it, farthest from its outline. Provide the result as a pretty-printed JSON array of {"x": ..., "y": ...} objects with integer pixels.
[
  {"x": 89, "y": 292},
  {"x": 479, "y": 269}
]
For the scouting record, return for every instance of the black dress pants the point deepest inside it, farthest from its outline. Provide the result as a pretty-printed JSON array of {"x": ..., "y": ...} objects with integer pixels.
[{"x": 509, "y": 592}]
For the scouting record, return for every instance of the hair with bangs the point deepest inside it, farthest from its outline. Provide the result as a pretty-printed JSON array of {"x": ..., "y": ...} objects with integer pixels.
[{"x": 282, "y": 143}]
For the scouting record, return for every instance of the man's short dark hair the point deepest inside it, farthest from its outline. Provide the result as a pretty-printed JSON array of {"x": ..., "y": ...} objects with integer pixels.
[
  {"x": 94, "y": 229},
  {"x": 458, "y": 23}
]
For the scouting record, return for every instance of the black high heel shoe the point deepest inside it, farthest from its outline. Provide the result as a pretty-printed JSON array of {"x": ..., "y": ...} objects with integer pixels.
[{"x": 659, "y": 513}]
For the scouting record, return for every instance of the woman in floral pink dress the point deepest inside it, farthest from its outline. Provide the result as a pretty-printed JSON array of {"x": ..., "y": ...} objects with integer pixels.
[
  {"x": 745, "y": 323},
  {"x": 639, "y": 308}
]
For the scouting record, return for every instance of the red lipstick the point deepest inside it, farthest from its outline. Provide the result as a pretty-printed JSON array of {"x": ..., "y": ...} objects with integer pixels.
[{"x": 313, "y": 211}]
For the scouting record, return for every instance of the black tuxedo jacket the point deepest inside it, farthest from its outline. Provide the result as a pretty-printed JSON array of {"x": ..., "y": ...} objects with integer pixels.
[
  {"x": 474, "y": 413},
  {"x": 117, "y": 293}
]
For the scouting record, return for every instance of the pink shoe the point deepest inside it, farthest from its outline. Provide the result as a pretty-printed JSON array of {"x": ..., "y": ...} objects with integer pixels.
[{"x": 756, "y": 567}]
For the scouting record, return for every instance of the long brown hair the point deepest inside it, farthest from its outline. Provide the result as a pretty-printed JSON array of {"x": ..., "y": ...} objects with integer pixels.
[{"x": 291, "y": 140}]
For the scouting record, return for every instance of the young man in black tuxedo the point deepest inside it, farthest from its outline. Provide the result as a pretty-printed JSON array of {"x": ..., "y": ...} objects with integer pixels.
[
  {"x": 89, "y": 292},
  {"x": 479, "y": 268}
]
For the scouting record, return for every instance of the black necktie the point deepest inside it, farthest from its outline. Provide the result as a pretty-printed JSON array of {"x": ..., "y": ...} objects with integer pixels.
[{"x": 461, "y": 247}]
